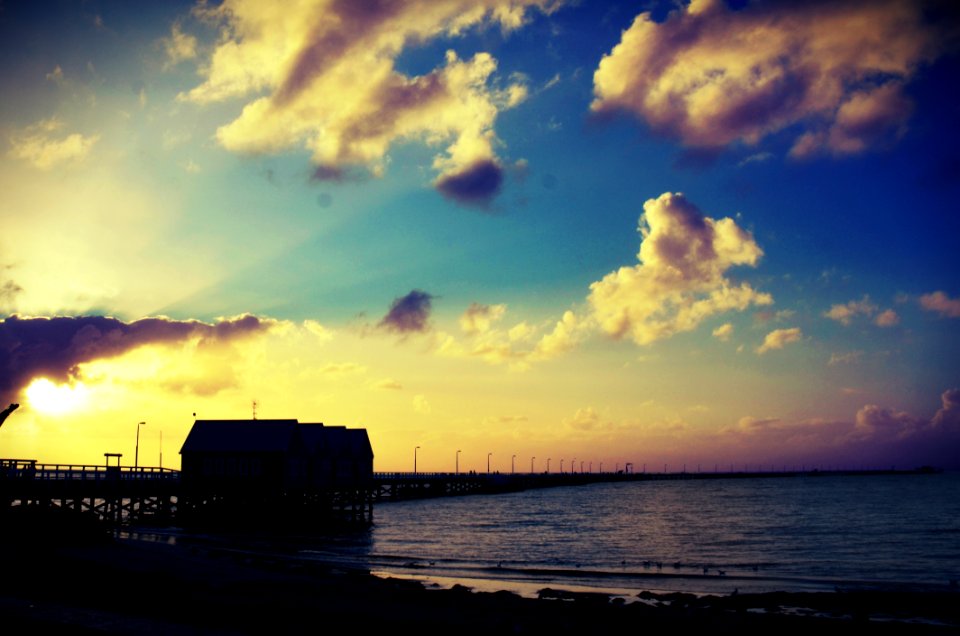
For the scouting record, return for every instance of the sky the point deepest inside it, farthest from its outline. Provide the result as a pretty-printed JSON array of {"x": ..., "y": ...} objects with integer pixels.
[{"x": 544, "y": 232}]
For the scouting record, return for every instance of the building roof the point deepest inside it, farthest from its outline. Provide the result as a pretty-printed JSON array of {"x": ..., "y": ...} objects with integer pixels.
[
  {"x": 241, "y": 436},
  {"x": 338, "y": 441}
]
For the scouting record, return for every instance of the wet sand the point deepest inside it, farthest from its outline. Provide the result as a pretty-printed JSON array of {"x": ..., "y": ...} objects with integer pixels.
[{"x": 109, "y": 586}]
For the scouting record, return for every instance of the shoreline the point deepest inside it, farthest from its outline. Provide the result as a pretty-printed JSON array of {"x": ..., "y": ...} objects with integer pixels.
[{"x": 131, "y": 585}]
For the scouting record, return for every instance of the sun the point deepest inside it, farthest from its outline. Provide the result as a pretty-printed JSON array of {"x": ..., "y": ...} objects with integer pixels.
[{"x": 56, "y": 399}]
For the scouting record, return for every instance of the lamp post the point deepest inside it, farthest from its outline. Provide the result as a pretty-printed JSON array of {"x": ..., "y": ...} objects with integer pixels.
[
  {"x": 591, "y": 468},
  {"x": 581, "y": 466},
  {"x": 136, "y": 450},
  {"x": 561, "y": 465},
  {"x": 488, "y": 462},
  {"x": 601, "y": 468},
  {"x": 513, "y": 464},
  {"x": 161, "y": 449},
  {"x": 458, "y": 461},
  {"x": 548, "y": 465},
  {"x": 531, "y": 464},
  {"x": 573, "y": 466},
  {"x": 415, "y": 449}
]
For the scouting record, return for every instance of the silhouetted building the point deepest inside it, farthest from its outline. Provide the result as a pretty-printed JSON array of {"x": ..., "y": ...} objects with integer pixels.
[{"x": 274, "y": 456}]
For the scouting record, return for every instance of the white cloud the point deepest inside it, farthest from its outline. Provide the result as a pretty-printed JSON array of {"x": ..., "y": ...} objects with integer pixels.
[
  {"x": 887, "y": 318},
  {"x": 711, "y": 75},
  {"x": 941, "y": 303},
  {"x": 779, "y": 338},
  {"x": 845, "y": 313},
  {"x": 323, "y": 77},
  {"x": 681, "y": 278},
  {"x": 723, "y": 332},
  {"x": 478, "y": 318},
  {"x": 38, "y": 145},
  {"x": 178, "y": 47}
]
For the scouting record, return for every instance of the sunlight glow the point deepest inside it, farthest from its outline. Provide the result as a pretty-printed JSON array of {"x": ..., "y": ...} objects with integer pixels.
[{"x": 56, "y": 399}]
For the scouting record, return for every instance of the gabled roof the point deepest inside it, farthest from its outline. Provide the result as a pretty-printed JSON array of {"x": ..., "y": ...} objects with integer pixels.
[{"x": 241, "y": 436}]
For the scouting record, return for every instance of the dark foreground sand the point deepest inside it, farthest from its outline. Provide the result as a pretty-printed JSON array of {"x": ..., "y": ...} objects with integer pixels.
[{"x": 112, "y": 586}]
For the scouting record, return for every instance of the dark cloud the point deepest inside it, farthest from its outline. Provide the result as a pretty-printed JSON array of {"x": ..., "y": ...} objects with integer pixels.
[
  {"x": 408, "y": 313},
  {"x": 475, "y": 185},
  {"x": 53, "y": 347}
]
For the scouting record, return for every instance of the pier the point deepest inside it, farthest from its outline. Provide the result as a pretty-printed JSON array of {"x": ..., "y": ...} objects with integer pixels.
[{"x": 121, "y": 495}]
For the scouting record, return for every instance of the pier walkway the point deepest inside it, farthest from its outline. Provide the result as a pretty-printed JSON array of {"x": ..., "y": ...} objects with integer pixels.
[{"x": 127, "y": 494}]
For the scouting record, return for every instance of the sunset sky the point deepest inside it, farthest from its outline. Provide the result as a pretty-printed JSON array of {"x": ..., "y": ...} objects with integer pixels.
[{"x": 657, "y": 233}]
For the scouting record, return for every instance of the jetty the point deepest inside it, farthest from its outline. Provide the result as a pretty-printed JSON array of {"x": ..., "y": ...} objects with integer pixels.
[{"x": 121, "y": 495}]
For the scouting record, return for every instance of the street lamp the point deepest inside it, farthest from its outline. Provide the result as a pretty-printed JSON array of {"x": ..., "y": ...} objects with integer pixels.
[
  {"x": 591, "y": 468},
  {"x": 573, "y": 466},
  {"x": 513, "y": 464},
  {"x": 458, "y": 461},
  {"x": 488, "y": 462},
  {"x": 161, "y": 449},
  {"x": 415, "y": 459},
  {"x": 561, "y": 465},
  {"x": 136, "y": 451},
  {"x": 581, "y": 466},
  {"x": 531, "y": 464},
  {"x": 548, "y": 465}
]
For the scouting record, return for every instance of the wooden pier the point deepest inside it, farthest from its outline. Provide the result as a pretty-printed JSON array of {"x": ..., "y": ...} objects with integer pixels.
[{"x": 122, "y": 495}]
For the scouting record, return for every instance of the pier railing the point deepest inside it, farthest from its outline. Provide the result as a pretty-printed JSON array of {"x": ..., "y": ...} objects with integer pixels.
[{"x": 23, "y": 469}]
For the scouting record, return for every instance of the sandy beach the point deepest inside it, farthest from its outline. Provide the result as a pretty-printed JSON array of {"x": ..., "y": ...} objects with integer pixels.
[{"x": 104, "y": 585}]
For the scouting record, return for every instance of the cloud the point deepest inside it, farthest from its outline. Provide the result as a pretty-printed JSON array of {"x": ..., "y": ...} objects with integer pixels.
[
  {"x": 323, "y": 76},
  {"x": 37, "y": 145},
  {"x": 566, "y": 334},
  {"x": 779, "y": 338},
  {"x": 478, "y": 318},
  {"x": 851, "y": 357},
  {"x": 844, "y": 314},
  {"x": 585, "y": 419},
  {"x": 178, "y": 47},
  {"x": 56, "y": 76},
  {"x": 723, "y": 332},
  {"x": 764, "y": 317},
  {"x": 421, "y": 405},
  {"x": 711, "y": 76},
  {"x": 758, "y": 157},
  {"x": 339, "y": 369},
  {"x": 750, "y": 424},
  {"x": 948, "y": 417},
  {"x": 941, "y": 303},
  {"x": 681, "y": 279},
  {"x": 408, "y": 313},
  {"x": 388, "y": 383},
  {"x": 887, "y": 318},
  {"x": 873, "y": 420},
  {"x": 474, "y": 185},
  {"x": 53, "y": 347}
]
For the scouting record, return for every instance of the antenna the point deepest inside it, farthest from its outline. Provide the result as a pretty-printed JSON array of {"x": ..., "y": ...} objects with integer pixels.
[{"x": 254, "y": 409}]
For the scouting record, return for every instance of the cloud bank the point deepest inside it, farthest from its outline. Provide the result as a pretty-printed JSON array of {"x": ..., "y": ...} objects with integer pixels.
[
  {"x": 710, "y": 75},
  {"x": 682, "y": 276},
  {"x": 324, "y": 78},
  {"x": 54, "y": 347}
]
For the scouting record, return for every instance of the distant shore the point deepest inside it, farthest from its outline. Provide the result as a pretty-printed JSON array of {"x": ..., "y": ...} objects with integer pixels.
[{"x": 111, "y": 586}]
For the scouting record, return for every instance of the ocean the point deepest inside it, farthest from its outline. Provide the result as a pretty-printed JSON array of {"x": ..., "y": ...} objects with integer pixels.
[{"x": 807, "y": 533}]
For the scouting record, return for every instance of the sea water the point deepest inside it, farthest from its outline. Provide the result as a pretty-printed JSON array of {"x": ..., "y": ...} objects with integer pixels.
[{"x": 703, "y": 536}]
